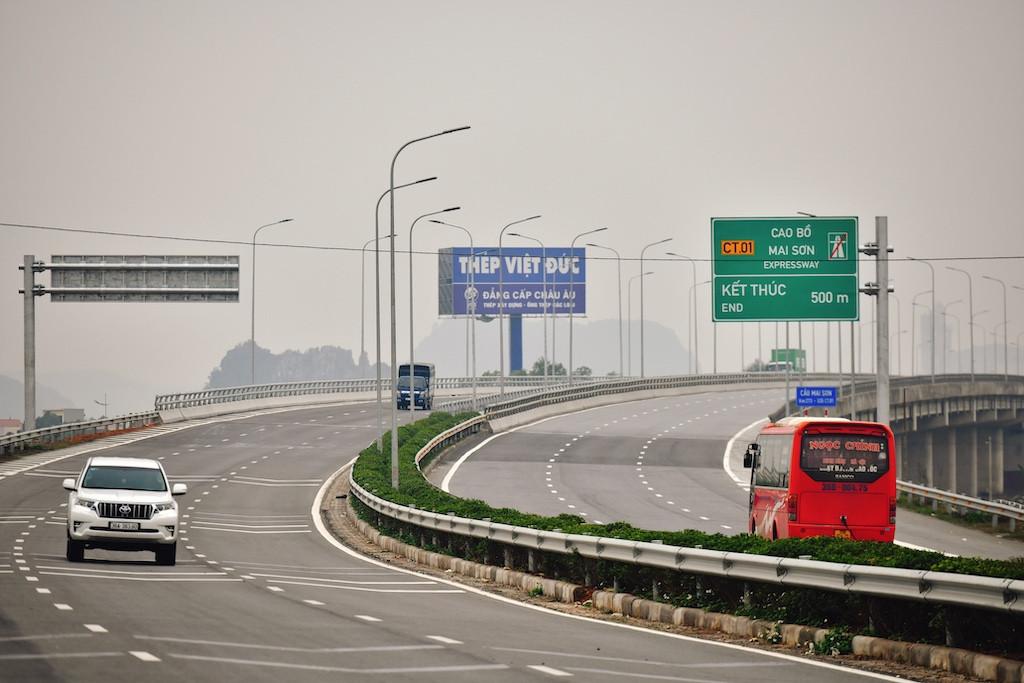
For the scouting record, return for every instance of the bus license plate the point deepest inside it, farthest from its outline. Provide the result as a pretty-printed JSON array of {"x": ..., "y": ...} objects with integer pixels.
[
  {"x": 124, "y": 526},
  {"x": 842, "y": 533}
]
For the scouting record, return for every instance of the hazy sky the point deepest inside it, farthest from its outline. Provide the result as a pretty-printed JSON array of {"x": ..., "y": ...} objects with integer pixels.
[{"x": 208, "y": 119}]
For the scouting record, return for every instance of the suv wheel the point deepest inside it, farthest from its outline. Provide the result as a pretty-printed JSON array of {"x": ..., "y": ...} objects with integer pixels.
[
  {"x": 165, "y": 554},
  {"x": 75, "y": 551}
]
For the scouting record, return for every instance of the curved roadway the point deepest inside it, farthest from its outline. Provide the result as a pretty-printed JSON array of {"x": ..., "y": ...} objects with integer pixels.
[
  {"x": 260, "y": 595},
  {"x": 657, "y": 464}
]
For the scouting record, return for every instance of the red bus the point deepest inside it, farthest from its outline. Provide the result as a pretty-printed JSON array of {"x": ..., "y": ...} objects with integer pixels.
[{"x": 823, "y": 476}]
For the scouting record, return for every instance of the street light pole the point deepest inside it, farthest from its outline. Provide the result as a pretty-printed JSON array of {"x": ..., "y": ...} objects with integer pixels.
[
  {"x": 913, "y": 331},
  {"x": 572, "y": 291},
  {"x": 252, "y": 315},
  {"x": 696, "y": 327},
  {"x": 692, "y": 317},
  {"x": 959, "y": 345},
  {"x": 629, "y": 315},
  {"x": 412, "y": 362},
  {"x": 932, "y": 269},
  {"x": 618, "y": 262},
  {"x": 501, "y": 303},
  {"x": 362, "y": 298},
  {"x": 970, "y": 313},
  {"x": 394, "y": 321},
  {"x": 1006, "y": 330},
  {"x": 667, "y": 239},
  {"x": 376, "y": 295},
  {"x": 544, "y": 281},
  {"x": 470, "y": 303}
]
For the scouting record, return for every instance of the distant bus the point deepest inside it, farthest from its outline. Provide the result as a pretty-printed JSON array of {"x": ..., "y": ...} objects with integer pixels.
[{"x": 820, "y": 476}]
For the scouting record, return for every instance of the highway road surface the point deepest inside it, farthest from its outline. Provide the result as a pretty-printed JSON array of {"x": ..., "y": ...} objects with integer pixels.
[
  {"x": 657, "y": 464},
  {"x": 260, "y": 594}
]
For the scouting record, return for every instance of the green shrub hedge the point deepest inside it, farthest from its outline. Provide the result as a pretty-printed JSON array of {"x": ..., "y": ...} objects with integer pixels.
[{"x": 372, "y": 471}]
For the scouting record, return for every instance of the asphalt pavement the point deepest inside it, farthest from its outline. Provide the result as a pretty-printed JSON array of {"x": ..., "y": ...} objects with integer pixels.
[{"x": 259, "y": 594}]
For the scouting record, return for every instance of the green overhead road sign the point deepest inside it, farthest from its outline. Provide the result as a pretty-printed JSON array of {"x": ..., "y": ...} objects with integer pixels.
[{"x": 777, "y": 269}]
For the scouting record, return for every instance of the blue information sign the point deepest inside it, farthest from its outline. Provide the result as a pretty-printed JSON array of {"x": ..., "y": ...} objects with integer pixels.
[
  {"x": 524, "y": 271},
  {"x": 816, "y": 397}
]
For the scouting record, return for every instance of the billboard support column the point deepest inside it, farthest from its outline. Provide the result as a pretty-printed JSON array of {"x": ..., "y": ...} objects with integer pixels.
[
  {"x": 515, "y": 342},
  {"x": 882, "y": 326}
]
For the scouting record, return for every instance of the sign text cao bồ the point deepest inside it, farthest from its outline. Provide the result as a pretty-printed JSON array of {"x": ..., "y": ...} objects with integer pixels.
[{"x": 784, "y": 269}]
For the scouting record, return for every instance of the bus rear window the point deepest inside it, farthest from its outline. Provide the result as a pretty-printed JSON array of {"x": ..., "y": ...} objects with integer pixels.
[{"x": 844, "y": 457}]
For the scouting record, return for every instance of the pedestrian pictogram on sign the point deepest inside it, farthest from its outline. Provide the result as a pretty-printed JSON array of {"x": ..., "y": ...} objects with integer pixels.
[{"x": 837, "y": 246}]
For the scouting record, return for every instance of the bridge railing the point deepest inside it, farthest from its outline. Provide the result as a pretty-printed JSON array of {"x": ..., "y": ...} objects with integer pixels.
[
  {"x": 1013, "y": 513},
  {"x": 20, "y": 441}
]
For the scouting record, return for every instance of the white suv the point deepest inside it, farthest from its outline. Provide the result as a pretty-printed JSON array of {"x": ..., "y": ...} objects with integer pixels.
[{"x": 123, "y": 504}]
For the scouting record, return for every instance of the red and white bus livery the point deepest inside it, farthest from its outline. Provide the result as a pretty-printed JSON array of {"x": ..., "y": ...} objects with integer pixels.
[{"x": 820, "y": 476}]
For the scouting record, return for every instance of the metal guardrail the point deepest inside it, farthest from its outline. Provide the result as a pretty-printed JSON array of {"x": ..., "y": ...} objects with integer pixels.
[
  {"x": 191, "y": 399},
  {"x": 14, "y": 443},
  {"x": 998, "y": 510},
  {"x": 927, "y": 586}
]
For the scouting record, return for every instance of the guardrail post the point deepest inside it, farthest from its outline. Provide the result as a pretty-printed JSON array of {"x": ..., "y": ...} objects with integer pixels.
[
  {"x": 531, "y": 560},
  {"x": 507, "y": 552}
]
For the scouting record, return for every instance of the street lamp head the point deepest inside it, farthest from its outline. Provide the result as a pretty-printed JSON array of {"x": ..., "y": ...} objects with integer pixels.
[
  {"x": 454, "y": 130},
  {"x": 423, "y": 180},
  {"x": 453, "y": 208},
  {"x": 286, "y": 220}
]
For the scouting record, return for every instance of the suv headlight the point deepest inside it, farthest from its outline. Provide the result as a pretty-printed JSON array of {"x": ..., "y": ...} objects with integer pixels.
[
  {"x": 162, "y": 507},
  {"x": 87, "y": 503}
]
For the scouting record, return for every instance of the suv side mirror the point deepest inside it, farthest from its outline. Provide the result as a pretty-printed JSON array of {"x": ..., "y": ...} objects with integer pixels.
[
  {"x": 179, "y": 489},
  {"x": 751, "y": 456},
  {"x": 69, "y": 484}
]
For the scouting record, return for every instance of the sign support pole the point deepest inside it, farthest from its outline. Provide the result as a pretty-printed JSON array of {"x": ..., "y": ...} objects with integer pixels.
[
  {"x": 882, "y": 320},
  {"x": 30, "y": 343},
  {"x": 853, "y": 370},
  {"x": 788, "y": 364}
]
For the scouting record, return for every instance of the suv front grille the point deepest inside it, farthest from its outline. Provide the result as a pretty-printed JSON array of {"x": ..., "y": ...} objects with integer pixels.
[{"x": 126, "y": 510}]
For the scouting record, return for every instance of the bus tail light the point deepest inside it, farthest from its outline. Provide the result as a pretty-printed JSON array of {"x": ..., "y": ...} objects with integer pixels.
[
  {"x": 892, "y": 511},
  {"x": 792, "y": 507}
]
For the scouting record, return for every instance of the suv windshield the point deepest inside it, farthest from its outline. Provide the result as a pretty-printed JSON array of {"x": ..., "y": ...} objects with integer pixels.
[
  {"x": 844, "y": 457},
  {"x": 130, "y": 478},
  {"x": 419, "y": 382}
]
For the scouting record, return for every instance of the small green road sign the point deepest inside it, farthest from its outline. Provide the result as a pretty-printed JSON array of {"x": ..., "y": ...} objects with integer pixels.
[{"x": 777, "y": 269}]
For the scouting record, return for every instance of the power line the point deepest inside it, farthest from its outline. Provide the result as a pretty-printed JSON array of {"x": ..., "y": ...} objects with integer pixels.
[{"x": 321, "y": 247}]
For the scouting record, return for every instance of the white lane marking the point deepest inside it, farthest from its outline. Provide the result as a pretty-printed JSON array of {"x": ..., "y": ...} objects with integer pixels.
[
  {"x": 95, "y": 628},
  {"x": 285, "y": 648},
  {"x": 60, "y": 655},
  {"x": 338, "y": 669},
  {"x": 249, "y": 526},
  {"x": 446, "y": 641},
  {"x": 912, "y": 546},
  {"x": 726, "y": 465},
  {"x": 360, "y": 583},
  {"x": 316, "y": 603},
  {"x": 275, "y": 589},
  {"x": 260, "y": 483},
  {"x": 43, "y": 591},
  {"x": 360, "y": 589},
  {"x": 201, "y": 526},
  {"x": 366, "y": 617},
  {"x": 144, "y": 656},
  {"x": 63, "y": 606},
  {"x": 548, "y": 670}
]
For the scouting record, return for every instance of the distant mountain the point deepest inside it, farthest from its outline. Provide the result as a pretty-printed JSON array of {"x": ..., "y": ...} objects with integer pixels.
[
  {"x": 12, "y": 399},
  {"x": 324, "y": 362},
  {"x": 596, "y": 346}
]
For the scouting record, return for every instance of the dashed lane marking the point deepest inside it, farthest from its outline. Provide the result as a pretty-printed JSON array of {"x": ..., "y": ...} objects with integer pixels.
[
  {"x": 144, "y": 656},
  {"x": 548, "y": 670}
]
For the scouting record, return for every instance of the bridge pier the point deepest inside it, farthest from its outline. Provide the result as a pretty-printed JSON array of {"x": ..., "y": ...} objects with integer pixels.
[
  {"x": 972, "y": 462},
  {"x": 998, "y": 457},
  {"x": 929, "y": 458}
]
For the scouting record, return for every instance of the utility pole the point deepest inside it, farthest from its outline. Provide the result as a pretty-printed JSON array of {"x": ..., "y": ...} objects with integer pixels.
[{"x": 880, "y": 249}]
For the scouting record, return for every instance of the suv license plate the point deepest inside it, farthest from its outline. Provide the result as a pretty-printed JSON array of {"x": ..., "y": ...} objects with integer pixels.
[{"x": 124, "y": 526}]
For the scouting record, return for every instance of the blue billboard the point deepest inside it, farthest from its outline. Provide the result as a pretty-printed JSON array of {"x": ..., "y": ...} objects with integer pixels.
[{"x": 528, "y": 279}]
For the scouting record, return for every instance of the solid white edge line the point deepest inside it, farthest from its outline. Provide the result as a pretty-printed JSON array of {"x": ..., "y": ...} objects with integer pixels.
[
  {"x": 318, "y": 523},
  {"x": 728, "y": 449}
]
